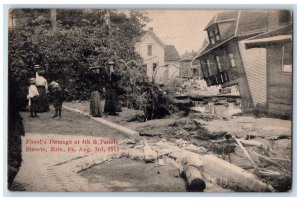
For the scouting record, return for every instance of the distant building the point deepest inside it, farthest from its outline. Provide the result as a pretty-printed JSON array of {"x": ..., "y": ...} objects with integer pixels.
[
  {"x": 226, "y": 61},
  {"x": 185, "y": 70},
  {"x": 196, "y": 66},
  {"x": 161, "y": 61}
]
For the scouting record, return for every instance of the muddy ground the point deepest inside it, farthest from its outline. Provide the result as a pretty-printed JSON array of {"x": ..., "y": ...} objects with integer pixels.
[{"x": 208, "y": 135}]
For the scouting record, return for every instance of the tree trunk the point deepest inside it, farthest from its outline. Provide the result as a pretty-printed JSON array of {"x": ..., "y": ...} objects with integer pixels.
[
  {"x": 193, "y": 176},
  {"x": 232, "y": 175}
]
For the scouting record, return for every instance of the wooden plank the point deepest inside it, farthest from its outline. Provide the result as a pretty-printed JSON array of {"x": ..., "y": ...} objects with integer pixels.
[{"x": 246, "y": 153}]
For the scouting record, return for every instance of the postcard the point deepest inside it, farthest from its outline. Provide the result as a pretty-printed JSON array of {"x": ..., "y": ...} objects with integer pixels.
[{"x": 150, "y": 100}]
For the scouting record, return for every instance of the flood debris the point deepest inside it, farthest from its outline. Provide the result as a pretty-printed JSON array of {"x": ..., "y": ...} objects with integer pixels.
[
  {"x": 150, "y": 154},
  {"x": 192, "y": 175},
  {"x": 217, "y": 169}
]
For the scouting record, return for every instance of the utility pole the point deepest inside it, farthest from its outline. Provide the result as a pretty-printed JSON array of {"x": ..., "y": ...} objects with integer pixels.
[
  {"x": 53, "y": 19},
  {"x": 107, "y": 21}
]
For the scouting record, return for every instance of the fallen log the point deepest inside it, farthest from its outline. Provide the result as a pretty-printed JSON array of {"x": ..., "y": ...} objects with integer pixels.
[
  {"x": 216, "y": 169},
  {"x": 270, "y": 173},
  {"x": 193, "y": 176}
]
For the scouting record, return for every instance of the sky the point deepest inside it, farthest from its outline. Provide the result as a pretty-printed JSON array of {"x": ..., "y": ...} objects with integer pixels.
[{"x": 181, "y": 28}]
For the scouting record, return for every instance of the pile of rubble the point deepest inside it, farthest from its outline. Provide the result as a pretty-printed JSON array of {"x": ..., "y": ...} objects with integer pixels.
[
  {"x": 240, "y": 154},
  {"x": 259, "y": 149}
]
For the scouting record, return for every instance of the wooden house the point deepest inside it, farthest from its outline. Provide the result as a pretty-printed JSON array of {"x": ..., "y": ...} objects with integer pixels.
[
  {"x": 160, "y": 60},
  {"x": 225, "y": 61},
  {"x": 185, "y": 70}
]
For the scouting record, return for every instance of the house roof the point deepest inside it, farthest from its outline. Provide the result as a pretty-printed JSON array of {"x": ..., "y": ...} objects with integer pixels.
[
  {"x": 171, "y": 53},
  {"x": 244, "y": 22},
  {"x": 188, "y": 56},
  {"x": 210, "y": 47},
  {"x": 251, "y": 21},
  {"x": 223, "y": 17},
  {"x": 282, "y": 35},
  {"x": 151, "y": 33}
]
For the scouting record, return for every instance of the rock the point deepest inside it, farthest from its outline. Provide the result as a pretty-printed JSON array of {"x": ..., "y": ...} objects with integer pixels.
[{"x": 149, "y": 154}]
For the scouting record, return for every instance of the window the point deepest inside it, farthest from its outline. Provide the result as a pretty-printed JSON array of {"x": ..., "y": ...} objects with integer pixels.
[
  {"x": 232, "y": 60},
  {"x": 214, "y": 34},
  {"x": 204, "y": 69},
  {"x": 216, "y": 31},
  {"x": 212, "y": 41},
  {"x": 219, "y": 63},
  {"x": 208, "y": 67},
  {"x": 149, "y": 50},
  {"x": 195, "y": 72},
  {"x": 285, "y": 16},
  {"x": 287, "y": 58},
  {"x": 154, "y": 65},
  {"x": 222, "y": 80}
]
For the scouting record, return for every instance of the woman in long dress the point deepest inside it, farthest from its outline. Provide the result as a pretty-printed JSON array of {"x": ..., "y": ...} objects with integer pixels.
[
  {"x": 42, "y": 86},
  {"x": 95, "y": 104}
]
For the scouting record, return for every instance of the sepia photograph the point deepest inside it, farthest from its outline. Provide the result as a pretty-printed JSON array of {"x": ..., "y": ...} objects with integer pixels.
[{"x": 150, "y": 100}]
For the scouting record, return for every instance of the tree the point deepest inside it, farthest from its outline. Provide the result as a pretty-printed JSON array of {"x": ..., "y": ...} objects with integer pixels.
[{"x": 82, "y": 38}]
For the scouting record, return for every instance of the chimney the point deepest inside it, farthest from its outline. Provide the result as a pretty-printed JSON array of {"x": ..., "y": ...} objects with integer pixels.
[{"x": 151, "y": 29}]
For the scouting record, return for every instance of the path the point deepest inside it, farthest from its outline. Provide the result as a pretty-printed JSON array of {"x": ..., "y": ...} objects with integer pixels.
[{"x": 53, "y": 167}]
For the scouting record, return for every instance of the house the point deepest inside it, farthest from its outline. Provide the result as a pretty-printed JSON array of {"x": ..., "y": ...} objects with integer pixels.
[
  {"x": 185, "y": 70},
  {"x": 278, "y": 46},
  {"x": 196, "y": 66},
  {"x": 225, "y": 61},
  {"x": 160, "y": 60}
]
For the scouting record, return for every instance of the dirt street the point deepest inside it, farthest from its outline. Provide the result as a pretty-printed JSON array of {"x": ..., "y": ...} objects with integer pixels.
[{"x": 57, "y": 170}]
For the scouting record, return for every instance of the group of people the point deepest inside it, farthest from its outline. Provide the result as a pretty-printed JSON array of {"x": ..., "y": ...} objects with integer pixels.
[
  {"x": 38, "y": 98},
  {"x": 110, "y": 89},
  {"x": 39, "y": 89}
]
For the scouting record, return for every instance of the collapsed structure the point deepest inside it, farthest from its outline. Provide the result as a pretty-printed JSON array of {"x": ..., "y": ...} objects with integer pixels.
[{"x": 226, "y": 61}]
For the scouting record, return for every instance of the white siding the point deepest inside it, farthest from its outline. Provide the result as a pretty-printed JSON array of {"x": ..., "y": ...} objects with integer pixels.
[
  {"x": 157, "y": 53},
  {"x": 255, "y": 65},
  {"x": 166, "y": 73}
]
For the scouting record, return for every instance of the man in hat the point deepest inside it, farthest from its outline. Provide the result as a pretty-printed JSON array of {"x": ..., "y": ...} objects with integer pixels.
[
  {"x": 112, "y": 91},
  {"x": 58, "y": 97},
  {"x": 33, "y": 95}
]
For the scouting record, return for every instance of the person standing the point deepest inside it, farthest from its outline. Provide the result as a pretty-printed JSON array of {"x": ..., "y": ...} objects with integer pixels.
[
  {"x": 42, "y": 86},
  {"x": 58, "y": 97},
  {"x": 15, "y": 126},
  {"x": 112, "y": 91},
  {"x": 33, "y": 96},
  {"x": 95, "y": 102}
]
